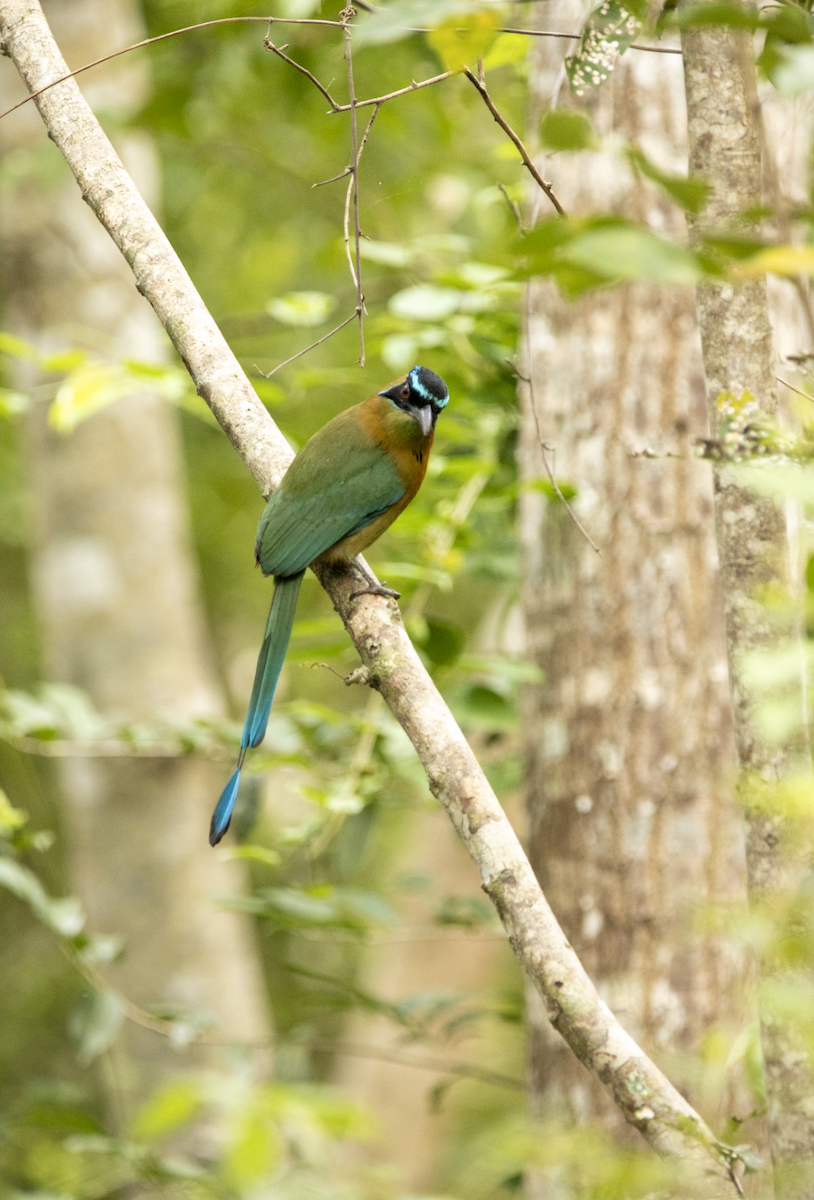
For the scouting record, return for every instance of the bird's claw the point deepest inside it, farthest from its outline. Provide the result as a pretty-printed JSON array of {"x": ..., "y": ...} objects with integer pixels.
[{"x": 377, "y": 589}]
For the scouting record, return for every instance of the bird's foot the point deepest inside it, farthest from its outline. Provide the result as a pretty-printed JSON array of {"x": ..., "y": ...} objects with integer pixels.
[{"x": 377, "y": 589}]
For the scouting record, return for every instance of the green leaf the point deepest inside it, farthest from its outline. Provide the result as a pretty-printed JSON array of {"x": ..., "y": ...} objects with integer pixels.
[
  {"x": 11, "y": 819},
  {"x": 724, "y": 13},
  {"x": 633, "y": 252},
  {"x": 16, "y": 348},
  {"x": 398, "y": 20},
  {"x": 424, "y": 302},
  {"x": 690, "y": 192},
  {"x": 12, "y": 403},
  {"x": 94, "y": 1024},
  {"x": 790, "y": 68},
  {"x": 261, "y": 854},
  {"x": 444, "y": 642},
  {"x": 507, "y": 48},
  {"x": 254, "y": 1149},
  {"x": 607, "y": 33},
  {"x": 87, "y": 390},
  {"x": 459, "y": 41},
  {"x": 64, "y": 917},
  {"x": 471, "y": 912},
  {"x": 568, "y": 129},
  {"x": 301, "y": 308},
  {"x": 169, "y": 1109},
  {"x": 779, "y": 260}
]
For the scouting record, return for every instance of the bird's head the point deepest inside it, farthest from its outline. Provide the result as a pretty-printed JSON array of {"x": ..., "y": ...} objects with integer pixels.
[{"x": 422, "y": 394}]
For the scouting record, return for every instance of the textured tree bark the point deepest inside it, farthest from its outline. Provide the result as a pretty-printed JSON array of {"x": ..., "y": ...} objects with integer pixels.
[
  {"x": 630, "y": 753},
  {"x": 117, "y": 593},
  {"x": 389, "y": 662},
  {"x": 724, "y": 140}
]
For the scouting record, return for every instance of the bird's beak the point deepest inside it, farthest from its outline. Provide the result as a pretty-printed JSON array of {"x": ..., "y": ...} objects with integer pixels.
[{"x": 424, "y": 417}]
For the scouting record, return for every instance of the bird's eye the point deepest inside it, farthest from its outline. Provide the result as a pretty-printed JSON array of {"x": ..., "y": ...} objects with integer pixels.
[{"x": 405, "y": 392}]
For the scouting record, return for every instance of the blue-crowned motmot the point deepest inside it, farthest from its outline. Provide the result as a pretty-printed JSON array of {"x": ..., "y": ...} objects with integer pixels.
[{"x": 345, "y": 487}]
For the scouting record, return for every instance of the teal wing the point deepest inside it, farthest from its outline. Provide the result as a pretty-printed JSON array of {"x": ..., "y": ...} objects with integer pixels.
[{"x": 339, "y": 482}]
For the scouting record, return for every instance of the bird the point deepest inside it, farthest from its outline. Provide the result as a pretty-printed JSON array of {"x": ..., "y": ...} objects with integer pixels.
[{"x": 344, "y": 488}]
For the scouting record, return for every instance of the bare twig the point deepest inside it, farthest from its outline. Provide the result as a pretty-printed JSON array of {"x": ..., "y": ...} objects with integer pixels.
[
  {"x": 333, "y": 179},
  {"x": 424, "y": 1062},
  {"x": 162, "y": 37},
  {"x": 113, "y": 748},
  {"x": 544, "y": 446},
  {"x": 792, "y": 388},
  {"x": 300, "y": 353},
  {"x": 278, "y": 50},
  {"x": 507, "y": 129},
  {"x": 353, "y": 187},
  {"x": 412, "y": 87},
  {"x": 514, "y": 207}
]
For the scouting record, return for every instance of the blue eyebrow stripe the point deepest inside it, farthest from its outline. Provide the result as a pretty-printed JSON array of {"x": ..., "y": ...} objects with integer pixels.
[{"x": 425, "y": 393}]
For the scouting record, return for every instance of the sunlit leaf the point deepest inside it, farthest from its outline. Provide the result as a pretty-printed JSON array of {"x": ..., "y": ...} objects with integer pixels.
[
  {"x": 254, "y": 1149},
  {"x": 17, "y": 348},
  {"x": 390, "y": 254},
  {"x": 424, "y": 302},
  {"x": 12, "y": 403},
  {"x": 170, "y": 1108},
  {"x": 779, "y": 260},
  {"x": 11, "y": 818},
  {"x": 506, "y": 49},
  {"x": 302, "y": 308},
  {"x": 86, "y": 391},
  {"x": 461, "y": 40},
  {"x": 261, "y": 854}
]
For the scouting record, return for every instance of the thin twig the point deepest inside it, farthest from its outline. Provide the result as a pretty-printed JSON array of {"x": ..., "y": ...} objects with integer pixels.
[
  {"x": 300, "y": 353},
  {"x": 446, "y": 1066},
  {"x": 412, "y": 87},
  {"x": 162, "y": 37},
  {"x": 278, "y": 50},
  {"x": 507, "y": 129},
  {"x": 346, "y": 232},
  {"x": 514, "y": 207},
  {"x": 544, "y": 447},
  {"x": 792, "y": 388},
  {"x": 333, "y": 179},
  {"x": 353, "y": 188}
]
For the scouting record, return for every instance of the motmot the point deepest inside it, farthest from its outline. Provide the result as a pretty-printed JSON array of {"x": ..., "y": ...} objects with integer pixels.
[{"x": 347, "y": 485}]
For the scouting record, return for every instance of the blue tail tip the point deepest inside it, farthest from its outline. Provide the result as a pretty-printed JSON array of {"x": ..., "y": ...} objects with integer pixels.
[{"x": 223, "y": 809}]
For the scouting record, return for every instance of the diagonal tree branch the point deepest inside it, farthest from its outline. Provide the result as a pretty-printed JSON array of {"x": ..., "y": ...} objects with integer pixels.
[{"x": 645, "y": 1096}]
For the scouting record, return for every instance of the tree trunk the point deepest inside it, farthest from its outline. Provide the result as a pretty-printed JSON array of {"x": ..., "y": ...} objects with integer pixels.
[
  {"x": 117, "y": 592},
  {"x": 724, "y": 140},
  {"x": 633, "y": 829}
]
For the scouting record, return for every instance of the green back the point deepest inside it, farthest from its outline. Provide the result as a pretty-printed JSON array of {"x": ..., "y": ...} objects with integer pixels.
[{"x": 339, "y": 482}]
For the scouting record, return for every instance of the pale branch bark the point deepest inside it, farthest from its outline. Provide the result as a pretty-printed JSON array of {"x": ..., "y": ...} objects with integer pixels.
[
  {"x": 647, "y": 1099},
  {"x": 736, "y": 336}
]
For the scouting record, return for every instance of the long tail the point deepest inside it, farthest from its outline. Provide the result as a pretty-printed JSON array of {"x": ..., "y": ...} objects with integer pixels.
[{"x": 269, "y": 665}]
